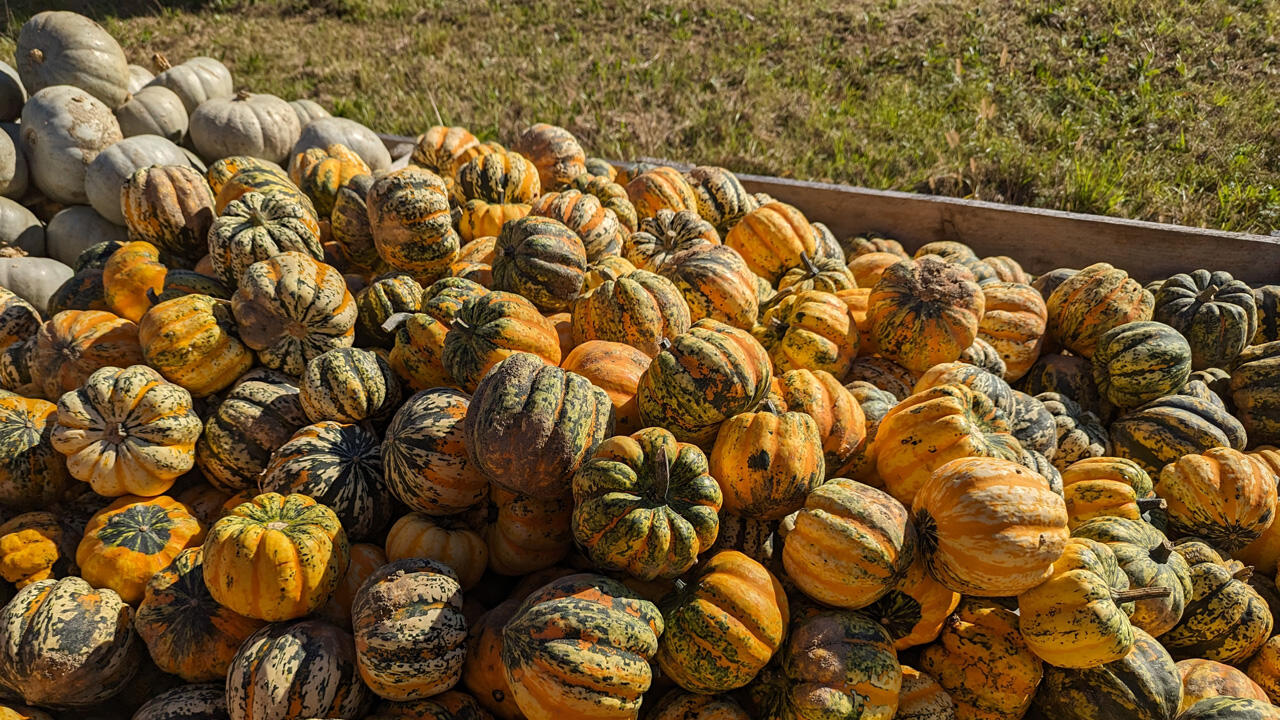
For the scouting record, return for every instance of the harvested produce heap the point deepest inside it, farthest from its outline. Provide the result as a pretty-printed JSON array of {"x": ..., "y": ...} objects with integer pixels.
[{"x": 289, "y": 430}]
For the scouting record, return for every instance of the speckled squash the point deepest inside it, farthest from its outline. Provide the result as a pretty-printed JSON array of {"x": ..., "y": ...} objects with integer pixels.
[
  {"x": 1264, "y": 668},
  {"x": 339, "y": 466},
  {"x": 719, "y": 196},
  {"x": 74, "y": 343},
  {"x": 767, "y": 462},
  {"x": 922, "y": 698},
  {"x": 449, "y": 705},
  {"x": 1033, "y": 425},
  {"x": 826, "y": 274},
  {"x": 1267, "y": 301},
  {"x": 555, "y": 153},
  {"x": 611, "y": 195},
  {"x": 349, "y": 385},
  {"x": 349, "y": 224},
  {"x": 868, "y": 268},
  {"x": 377, "y": 302},
  {"x": 772, "y": 239},
  {"x": 259, "y": 226},
  {"x": 842, "y": 425},
  {"x": 615, "y": 368},
  {"x": 366, "y": 559},
  {"x": 222, "y": 170},
  {"x": 186, "y": 632},
  {"x": 1106, "y": 487},
  {"x": 856, "y": 245},
  {"x": 596, "y": 225},
  {"x": 811, "y": 329},
  {"x": 1091, "y": 302},
  {"x": 982, "y": 662},
  {"x": 680, "y": 705},
  {"x": 709, "y": 374},
  {"x": 717, "y": 284},
  {"x": 82, "y": 291},
  {"x": 1254, "y": 382},
  {"x": 1231, "y": 708},
  {"x": 129, "y": 274},
  {"x": 305, "y": 669},
  {"x": 1225, "y": 619},
  {"x": 417, "y": 353},
  {"x": 1164, "y": 430},
  {"x": 640, "y": 309},
  {"x": 444, "y": 298},
  {"x": 291, "y": 308},
  {"x": 438, "y": 148},
  {"x": 169, "y": 206},
  {"x": 1013, "y": 321},
  {"x": 497, "y": 177},
  {"x": 528, "y": 534},
  {"x": 193, "y": 342},
  {"x": 660, "y": 188},
  {"x": 1143, "y": 685},
  {"x": 531, "y": 425},
  {"x": 424, "y": 457},
  {"x": 268, "y": 180},
  {"x": 1217, "y": 313},
  {"x": 203, "y": 701},
  {"x": 1222, "y": 496},
  {"x": 664, "y": 236},
  {"x": 982, "y": 354},
  {"x": 492, "y": 327},
  {"x": 31, "y": 545},
  {"x": 1203, "y": 679},
  {"x": 1148, "y": 559},
  {"x": 974, "y": 378},
  {"x": 319, "y": 172},
  {"x": 131, "y": 539},
  {"x": 257, "y": 416},
  {"x": 609, "y": 267},
  {"x": 409, "y": 218},
  {"x": 885, "y": 374},
  {"x": 294, "y": 548},
  {"x": 606, "y": 679},
  {"x": 1140, "y": 361},
  {"x": 1070, "y": 376},
  {"x": 914, "y": 610},
  {"x": 541, "y": 259},
  {"x": 478, "y": 219},
  {"x": 924, "y": 312},
  {"x": 32, "y": 474},
  {"x": 1081, "y": 434},
  {"x": 875, "y": 404}
]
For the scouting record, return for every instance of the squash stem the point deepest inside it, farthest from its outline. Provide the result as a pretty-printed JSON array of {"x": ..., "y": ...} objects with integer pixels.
[
  {"x": 664, "y": 474},
  {"x": 394, "y": 322},
  {"x": 1152, "y": 503},
  {"x": 1141, "y": 594}
]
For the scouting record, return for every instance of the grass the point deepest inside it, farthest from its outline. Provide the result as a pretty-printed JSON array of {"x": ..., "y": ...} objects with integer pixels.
[{"x": 1157, "y": 109}]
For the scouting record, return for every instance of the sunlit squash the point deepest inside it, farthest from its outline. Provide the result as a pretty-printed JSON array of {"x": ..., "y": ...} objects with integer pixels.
[
  {"x": 1081, "y": 434},
  {"x": 1222, "y": 496},
  {"x": 767, "y": 462},
  {"x": 439, "y": 146},
  {"x": 1013, "y": 321},
  {"x": 1165, "y": 429},
  {"x": 424, "y": 456},
  {"x": 914, "y": 610},
  {"x": 1140, "y": 361},
  {"x": 842, "y": 424},
  {"x": 131, "y": 272},
  {"x": 1216, "y": 313},
  {"x": 662, "y": 237},
  {"x": 596, "y": 225},
  {"x": 33, "y": 474},
  {"x": 320, "y": 172},
  {"x": 1142, "y": 685},
  {"x": 721, "y": 199},
  {"x": 983, "y": 663},
  {"x": 1106, "y": 487},
  {"x": 259, "y": 226},
  {"x": 639, "y": 309},
  {"x": 924, "y": 312},
  {"x": 717, "y": 284},
  {"x": 772, "y": 239},
  {"x": 169, "y": 206},
  {"x": 447, "y": 541},
  {"x": 497, "y": 177},
  {"x": 492, "y": 327},
  {"x": 1147, "y": 557},
  {"x": 305, "y": 668},
  {"x": 194, "y": 343},
  {"x": 31, "y": 546},
  {"x": 811, "y": 329},
  {"x": 615, "y": 368},
  {"x": 1203, "y": 679},
  {"x": 528, "y": 534},
  {"x": 410, "y": 222},
  {"x": 661, "y": 188},
  {"x": 826, "y": 274},
  {"x": 1225, "y": 619},
  {"x": 1091, "y": 302},
  {"x": 256, "y": 416},
  {"x": 133, "y": 538},
  {"x": 1254, "y": 388}
]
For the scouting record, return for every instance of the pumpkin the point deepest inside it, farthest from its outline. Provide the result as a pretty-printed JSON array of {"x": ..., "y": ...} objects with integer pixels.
[
  {"x": 417, "y": 355},
  {"x": 679, "y": 705},
  {"x": 664, "y": 236},
  {"x": 450, "y": 705},
  {"x": 868, "y": 268},
  {"x": 1106, "y": 487},
  {"x": 133, "y": 538},
  {"x": 438, "y": 147},
  {"x": 596, "y": 225},
  {"x": 129, "y": 276},
  {"x": 290, "y": 308},
  {"x": 18, "y": 319},
  {"x": 444, "y": 298},
  {"x": 1223, "y": 496},
  {"x": 258, "y": 415},
  {"x": 611, "y": 195},
  {"x": 492, "y": 327},
  {"x": 295, "y": 549},
  {"x": 756, "y": 539},
  {"x": 933, "y": 427},
  {"x": 31, "y": 545},
  {"x": 259, "y": 226},
  {"x": 205, "y": 701},
  {"x": 32, "y": 474},
  {"x": 812, "y": 330},
  {"x": 767, "y": 462},
  {"x": 65, "y": 644},
  {"x": 540, "y": 259},
  {"x": 709, "y": 374},
  {"x": 349, "y": 224},
  {"x": 850, "y": 546},
  {"x": 719, "y": 196},
  {"x": 1148, "y": 559},
  {"x": 1225, "y": 619},
  {"x": 186, "y": 632},
  {"x": 319, "y": 172},
  {"x": 424, "y": 457},
  {"x": 196, "y": 80},
  {"x": 645, "y": 505},
  {"x": 660, "y": 188},
  {"x": 884, "y": 374},
  {"x": 528, "y": 534},
  {"x": 857, "y": 245},
  {"x": 192, "y": 341},
  {"x": 409, "y": 630},
  {"x": 497, "y": 177},
  {"x": 1093, "y": 301},
  {"x": 259, "y": 125},
  {"x": 826, "y": 274},
  {"x": 1253, "y": 383},
  {"x": 408, "y": 213},
  {"x": 365, "y": 560},
  {"x": 531, "y": 425},
  {"x": 914, "y": 610},
  {"x": 615, "y": 368},
  {"x": 479, "y": 219},
  {"x": 640, "y": 309},
  {"x": 337, "y": 465},
  {"x": 170, "y": 207},
  {"x": 841, "y": 422},
  {"x": 265, "y": 179},
  {"x": 716, "y": 284},
  {"x": 1203, "y": 679},
  {"x": 482, "y": 671},
  {"x": 221, "y": 172},
  {"x": 1221, "y": 708},
  {"x": 153, "y": 110},
  {"x": 924, "y": 312},
  {"x": 1217, "y": 313},
  {"x": 287, "y": 670},
  {"x": 127, "y": 431},
  {"x": 1143, "y": 685},
  {"x": 1165, "y": 429},
  {"x": 1013, "y": 321},
  {"x": 1138, "y": 362},
  {"x": 65, "y": 48},
  {"x": 444, "y": 540},
  {"x": 376, "y": 303},
  {"x": 348, "y": 385},
  {"x": 63, "y": 129},
  {"x": 1080, "y": 434}
]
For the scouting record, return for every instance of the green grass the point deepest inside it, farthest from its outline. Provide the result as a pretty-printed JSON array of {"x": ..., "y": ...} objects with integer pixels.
[{"x": 1161, "y": 110}]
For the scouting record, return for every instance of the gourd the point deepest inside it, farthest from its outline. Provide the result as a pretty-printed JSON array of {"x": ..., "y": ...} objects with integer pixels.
[
  {"x": 1142, "y": 685},
  {"x": 680, "y": 705},
  {"x": 1203, "y": 679},
  {"x": 717, "y": 284},
  {"x": 914, "y": 610},
  {"x": 260, "y": 412},
  {"x": 74, "y": 229},
  {"x": 285, "y": 670},
  {"x": 555, "y": 152},
  {"x": 809, "y": 329},
  {"x": 154, "y": 110},
  {"x": 194, "y": 81},
  {"x": 1217, "y": 313},
  {"x": 258, "y": 125},
  {"x": 204, "y": 701},
  {"x": 826, "y": 274},
  {"x": 440, "y": 146},
  {"x": 105, "y": 176},
  {"x": 542, "y": 260},
  {"x": 73, "y": 344},
  {"x": 924, "y": 312},
  {"x": 259, "y": 226},
  {"x": 492, "y": 327},
  {"x": 1253, "y": 384},
  {"x": 424, "y": 458},
  {"x": 1081, "y": 434},
  {"x": 1013, "y": 321},
  {"x": 63, "y": 129},
  {"x": 664, "y": 236},
  {"x": 767, "y": 462},
  {"x": 20, "y": 229},
  {"x": 772, "y": 239},
  {"x": 1093, "y": 301},
  {"x": 658, "y": 189},
  {"x": 170, "y": 207},
  {"x": 975, "y": 640},
  {"x": 1219, "y": 708},
  {"x": 1165, "y": 429},
  {"x": 611, "y": 195},
  {"x": 325, "y": 131},
  {"x": 192, "y": 341},
  {"x": 842, "y": 424},
  {"x": 1222, "y": 496},
  {"x": 1138, "y": 362},
  {"x": 31, "y": 545},
  {"x": 720, "y": 196},
  {"x": 15, "y": 175},
  {"x": 528, "y": 534},
  {"x": 66, "y": 48},
  {"x": 409, "y": 217},
  {"x": 132, "y": 276},
  {"x": 1225, "y": 619},
  {"x": 615, "y": 368},
  {"x": 1148, "y": 559},
  {"x": 1107, "y": 487},
  {"x": 320, "y": 172}
]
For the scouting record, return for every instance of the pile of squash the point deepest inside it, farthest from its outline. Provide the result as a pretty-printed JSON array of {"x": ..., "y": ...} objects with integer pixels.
[{"x": 289, "y": 430}]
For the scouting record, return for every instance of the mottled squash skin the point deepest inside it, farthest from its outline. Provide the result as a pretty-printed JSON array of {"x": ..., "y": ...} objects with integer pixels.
[
  {"x": 204, "y": 701},
  {"x": 1222, "y": 496},
  {"x": 1217, "y": 313},
  {"x": 438, "y": 148},
  {"x": 664, "y": 236},
  {"x": 717, "y": 284},
  {"x": 271, "y": 180},
  {"x": 922, "y": 698},
  {"x": 409, "y": 218},
  {"x": 133, "y": 538},
  {"x": 424, "y": 455},
  {"x": 660, "y": 188},
  {"x": 983, "y": 355},
  {"x": 130, "y": 273},
  {"x": 914, "y": 610},
  {"x": 32, "y": 473},
  {"x": 1081, "y": 434},
  {"x": 170, "y": 207},
  {"x": 772, "y": 239},
  {"x": 1203, "y": 679},
  {"x": 479, "y": 219},
  {"x": 1138, "y": 362},
  {"x": 259, "y": 226},
  {"x": 611, "y": 195},
  {"x": 348, "y": 385},
  {"x": 721, "y": 199},
  {"x": 983, "y": 663},
  {"x": 287, "y": 670},
  {"x": 767, "y": 462},
  {"x": 1267, "y": 300},
  {"x": 1014, "y": 321},
  {"x": 1143, "y": 685},
  {"x": 258, "y": 415},
  {"x": 31, "y": 545},
  {"x": 583, "y": 213},
  {"x": 924, "y": 312},
  {"x": 974, "y": 378},
  {"x": 1091, "y": 302},
  {"x": 842, "y": 424},
  {"x": 349, "y": 225},
  {"x": 605, "y": 679},
  {"x": 859, "y": 245},
  {"x": 192, "y": 340},
  {"x": 1070, "y": 376},
  {"x": 1148, "y": 559},
  {"x": 542, "y": 260},
  {"x": 1231, "y": 708},
  {"x": 1164, "y": 430},
  {"x": 615, "y": 368},
  {"x": 528, "y": 534},
  {"x": 1264, "y": 668},
  {"x": 321, "y": 172},
  {"x": 1106, "y": 487},
  {"x": 497, "y": 177},
  {"x": 825, "y": 274},
  {"x": 489, "y": 328},
  {"x": 1254, "y": 382},
  {"x": 810, "y": 329},
  {"x": 482, "y": 672},
  {"x": 639, "y": 308},
  {"x": 1225, "y": 619}
]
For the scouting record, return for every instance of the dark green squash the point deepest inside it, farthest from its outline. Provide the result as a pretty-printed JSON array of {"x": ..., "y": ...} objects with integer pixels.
[
  {"x": 1147, "y": 557},
  {"x": 206, "y": 701},
  {"x": 1070, "y": 376},
  {"x": 541, "y": 259},
  {"x": 1255, "y": 388},
  {"x": 1164, "y": 430},
  {"x": 1140, "y": 361},
  {"x": 1225, "y": 619},
  {"x": 259, "y": 414},
  {"x": 1225, "y": 707},
  {"x": 1267, "y": 300},
  {"x": 1080, "y": 433},
  {"x": 385, "y": 296},
  {"x": 82, "y": 291},
  {"x": 1216, "y": 313},
  {"x": 1143, "y": 685},
  {"x": 1033, "y": 425}
]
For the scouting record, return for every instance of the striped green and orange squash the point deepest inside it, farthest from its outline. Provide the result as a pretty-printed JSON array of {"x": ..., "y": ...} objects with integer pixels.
[
  {"x": 1035, "y": 427},
  {"x": 320, "y": 172},
  {"x": 719, "y": 196},
  {"x": 611, "y": 195},
  {"x": 660, "y": 188},
  {"x": 982, "y": 354},
  {"x": 64, "y": 644},
  {"x": 171, "y": 207},
  {"x": 767, "y": 462},
  {"x": 409, "y": 217},
  {"x": 1217, "y": 313},
  {"x": 295, "y": 549},
  {"x": 132, "y": 539},
  {"x": 1008, "y": 270},
  {"x": 349, "y": 385},
  {"x": 467, "y": 154},
  {"x": 1013, "y": 321},
  {"x": 552, "y": 675},
  {"x": 187, "y": 633},
  {"x": 531, "y": 425},
  {"x": 339, "y": 466},
  {"x": 885, "y": 374},
  {"x": 223, "y": 169},
  {"x": 922, "y": 698},
  {"x": 482, "y": 671},
  {"x": 193, "y": 342},
  {"x": 127, "y": 431},
  {"x": 1106, "y": 487},
  {"x": 409, "y": 630},
  {"x": 868, "y": 268},
  {"x": 875, "y": 404},
  {"x": 1221, "y": 496},
  {"x": 350, "y": 229},
  {"x": 735, "y": 599},
  {"x": 825, "y": 273},
  {"x": 924, "y": 312},
  {"x": 541, "y": 259},
  {"x": 1142, "y": 685},
  {"x": 609, "y": 267},
  {"x": 1091, "y": 302},
  {"x": 554, "y": 151},
  {"x": 1080, "y": 434},
  {"x": 640, "y": 309},
  {"x": 378, "y": 301},
  {"x": 1165, "y": 429},
  {"x": 19, "y": 320},
  {"x": 291, "y": 308},
  {"x": 449, "y": 541},
  {"x": 300, "y": 669},
  {"x": 809, "y": 329},
  {"x": 417, "y": 352},
  {"x": 1225, "y": 619},
  {"x": 424, "y": 457},
  {"x": 949, "y": 250},
  {"x": 842, "y": 425},
  {"x": 596, "y": 225},
  {"x": 32, "y": 474},
  {"x": 1267, "y": 300},
  {"x": 1203, "y": 679},
  {"x": 1147, "y": 557},
  {"x": 914, "y": 610},
  {"x": 681, "y": 705},
  {"x": 449, "y": 705},
  {"x": 977, "y": 638},
  {"x": 480, "y": 219},
  {"x": 1070, "y": 376},
  {"x": 32, "y": 547},
  {"x": 850, "y": 546},
  {"x": 272, "y": 180},
  {"x": 259, "y": 226},
  {"x": 1140, "y": 361},
  {"x": 1254, "y": 383},
  {"x": 717, "y": 284},
  {"x": 974, "y": 378},
  {"x": 256, "y": 416},
  {"x": 497, "y": 177},
  {"x": 439, "y": 146},
  {"x": 492, "y": 327},
  {"x": 664, "y": 236},
  {"x": 856, "y": 245},
  {"x": 528, "y": 534},
  {"x": 444, "y": 298},
  {"x": 615, "y": 368},
  {"x": 645, "y": 505},
  {"x": 772, "y": 239},
  {"x": 203, "y": 701},
  {"x": 131, "y": 274},
  {"x": 1231, "y": 708}
]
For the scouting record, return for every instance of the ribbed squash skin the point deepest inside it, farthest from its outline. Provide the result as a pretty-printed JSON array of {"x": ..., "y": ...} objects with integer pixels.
[
  {"x": 133, "y": 538},
  {"x": 497, "y": 177},
  {"x": 409, "y": 218},
  {"x": 480, "y": 219},
  {"x": 266, "y": 180},
  {"x": 983, "y": 663},
  {"x": 974, "y": 378},
  {"x": 709, "y": 374},
  {"x": 596, "y": 225},
  {"x": 640, "y": 309},
  {"x": 1164, "y": 430},
  {"x": 339, "y": 466},
  {"x": 409, "y": 630},
  {"x": 439, "y": 146},
  {"x": 1203, "y": 679},
  {"x": 542, "y": 260},
  {"x": 129, "y": 274},
  {"x": 291, "y": 308},
  {"x": 32, "y": 474},
  {"x": 1104, "y": 487},
  {"x": 64, "y": 644},
  {"x": 1264, "y": 668},
  {"x": 868, "y": 268},
  {"x": 717, "y": 284},
  {"x": 206, "y": 701},
  {"x": 450, "y": 705},
  {"x": 18, "y": 319},
  {"x": 193, "y": 342},
  {"x": 666, "y": 235},
  {"x": 348, "y": 385},
  {"x": 1231, "y": 708},
  {"x": 1091, "y": 302},
  {"x": 1223, "y": 496},
  {"x": 531, "y": 425},
  {"x": 492, "y": 327},
  {"x": 1225, "y": 619},
  {"x": 257, "y": 227},
  {"x": 258, "y": 415},
  {"x": 615, "y": 368},
  {"x": 885, "y": 374},
  {"x": 223, "y": 169},
  {"x": 294, "y": 548},
  {"x": 842, "y": 425},
  {"x": 127, "y": 431},
  {"x": 185, "y": 630},
  {"x": 1013, "y": 321},
  {"x": 1138, "y": 362},
  {"x": 924, "y": 312},
  {"x": 320, "y": 172},
  {"x": 483, "y": 673},
  {"x": 734, "y": 598},
  {"x": 384, "y": 297},
  {"x": 448, "y": 541},
  {"x": 1034, "y": 426},
  {"x": 989, "y": 527},
  {"x": 983, "y": 355},
  {"x": 826, "y": 274},
  {"x": 424, "y": 456},
  {"x": 922, "y": 698},
  {"x": 170, "y": 207},
  {"x": 1217, "y": 313},
  {"x": 1267, "y": 300},
  {"x": 1143, "y": 685},
  {"x": 772, "y": 238},
  {"x": 914, "y": 610},
  {"x": 605, "y": 679},
  {"x": 1146, "y": 557},
  {"x": 293, "y": 670},
  {"x": 875, "y": 404},
  {"x": 857, "y": 245},
  {"x": 680, "y": 705},
  {"x": 720, "y": 197},
  {"x": 1255, "y": 380},
  {"x": 850, "y": 546},
  {"x": 933, "y": 427},
  {"x": 811, "y": 329},
  {"x": 417, "y": 353},
  {"x": 767, "y": 462},
  {"x": 349, "y": 225},
  {"x": 1070, "y": 376},
  {"x": 528, "y": 534},
  {"x": 366, "y": 559},
  {"x": 612, "y": 196},
  {"x": 1081, "y": 434},
  {"x": 658, "y": 189},
  {"x": 31, "y": 544}
]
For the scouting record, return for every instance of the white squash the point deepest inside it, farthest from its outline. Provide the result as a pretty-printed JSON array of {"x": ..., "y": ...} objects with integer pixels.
[
  {"x": 13, "y": 163},
  {"x": 154, "y": 110},
  {"x": 139, "y": 77},
  {"x": 326, "y": 131},
  {"x": 195, "y": 81},
  {"x": 33, "y": 279},
  {"x": 56, "y": 47},
  {"x": 107, "y": 173},
  {"x": 307, "y": 110},
  {"x": 20, "y": 228},
  {"x": 12, "y": 94},
  {"x": 258, "y": 125},
  {"x": 63, "y": 130},
  {"x": 77, "y": 228}
]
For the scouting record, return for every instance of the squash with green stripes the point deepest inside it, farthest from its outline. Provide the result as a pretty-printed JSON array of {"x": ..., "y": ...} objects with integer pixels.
[
  {"x": 132, "y": 539},
  {"x": 1142, "y": 685},
  {"x": 1217, "y": 313},
  {"x": 1225, "y": 619},
  {"x": 258, "y": 226},
  {"x": 640, "y": 309},
  {"x": 1138, "y": 362},
  {"x": 1165, "y": 429},
  {"x": 349, "y": 385},
  {"x": 719, "y": 196},
  {"x": 300, "y": 669},
  {"x": 260, "y": 412},
  {"x": 412, "y": 228}
]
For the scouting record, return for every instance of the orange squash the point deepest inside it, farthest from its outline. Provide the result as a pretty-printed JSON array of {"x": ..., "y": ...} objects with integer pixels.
[
  {"x": 772, "y": 239},
  {"x": 1222, "y": 496},
  {"x": 662, "y": 188},
  {"x": 1106, "y": 487},
  {"x": 73, "y": 344},
  {"x": 615, "y": 368},
  {"x": 841, "y": 422},
  {"x": 417, "y": 535},
  {"x": 1093, "y": 301},
  {"x": 1013, "y": 321},
  {"x": 813, "y": 330},
  {"x": 915, "y": 609},
  {"x": 925, "y": 312},
  {"x": 767, "y": 462},
  {"x": 130, "y": 274}
]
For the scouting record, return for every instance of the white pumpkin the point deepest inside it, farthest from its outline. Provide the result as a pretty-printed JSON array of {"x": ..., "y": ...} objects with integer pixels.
[
  {"x": 76, "y": 228},
  {"x": 154, "y": 110},
  {"x": 258, "y": 125},
  {"x": 307, "y": 110},
  {"x": 194, "y": 161},
  {"x": 139, "y": 77},
  {"x": 326, "y": 131},
  {"x": 20, "y": 228},
  {"x": 13, "y": 163},
  {"x": 56, "y": 47},
  {"x": 33, "y": 279},
  {"x": 63, "y": 130},
  {"x": 12, "y": 94},
  {"x": 107, "y": 173},
  {"x": 195, "y": 81}
]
